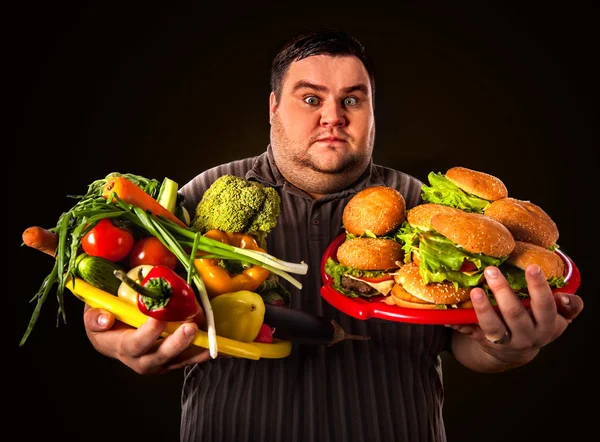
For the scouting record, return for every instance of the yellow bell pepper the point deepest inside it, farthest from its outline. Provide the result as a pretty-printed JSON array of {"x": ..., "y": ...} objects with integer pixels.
[
  {"x": 138, "y": 273},
  {"x": 238, "y": 315},
  {"x": 219, "y": 280}
]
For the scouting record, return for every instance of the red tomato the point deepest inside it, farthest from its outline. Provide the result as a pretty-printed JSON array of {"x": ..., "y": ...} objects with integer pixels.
[
  {"x": 107, "y": 241},
  {"x": 149, "y": 250},
  {"x": 384, "y": 277},
  {"x": 467, "y": 266}
]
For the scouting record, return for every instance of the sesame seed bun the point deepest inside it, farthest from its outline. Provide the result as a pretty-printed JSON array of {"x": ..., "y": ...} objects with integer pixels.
[
  {"x": 378, "y": 209},
  {"x": 402, "y": 298},
  {"x": 525, "y": 254},
  {"x": 436, "y": 292},
  {"x": 526, "y": 221},
  {"x": 475, "y": 233},
  {"x": 370, "y": 253},
  {"x": 477, "y": 183},
  {"x": 420, "y": 216}
]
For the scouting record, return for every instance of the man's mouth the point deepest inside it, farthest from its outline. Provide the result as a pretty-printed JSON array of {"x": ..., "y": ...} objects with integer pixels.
[{"x": 331, "y": 139}]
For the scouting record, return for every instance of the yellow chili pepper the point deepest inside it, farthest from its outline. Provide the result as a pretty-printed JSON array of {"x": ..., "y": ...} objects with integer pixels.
[
  {"x": 238, "y": 315},
  {"x": 219, "y": 280}
]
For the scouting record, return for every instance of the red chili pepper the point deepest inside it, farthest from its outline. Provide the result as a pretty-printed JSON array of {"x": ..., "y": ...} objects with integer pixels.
[
  {"x": 177, "y": 300},
  {"x": 164, "y": 295}
]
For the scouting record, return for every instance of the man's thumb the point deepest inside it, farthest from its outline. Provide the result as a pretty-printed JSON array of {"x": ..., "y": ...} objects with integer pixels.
[{"x": 97, "y": 320}]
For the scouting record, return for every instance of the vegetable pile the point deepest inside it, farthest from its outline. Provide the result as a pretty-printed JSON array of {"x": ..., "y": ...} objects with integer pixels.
[{"x": 129, "y": 236}]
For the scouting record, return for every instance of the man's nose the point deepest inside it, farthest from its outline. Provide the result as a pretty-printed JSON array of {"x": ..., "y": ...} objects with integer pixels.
[{"x": 333, "y": 114}]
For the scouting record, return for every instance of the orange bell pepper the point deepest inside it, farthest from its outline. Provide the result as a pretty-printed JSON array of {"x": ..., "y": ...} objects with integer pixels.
[{"x": 218, "y": 279}]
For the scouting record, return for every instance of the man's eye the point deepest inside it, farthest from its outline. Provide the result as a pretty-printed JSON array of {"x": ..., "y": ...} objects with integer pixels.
[
  {"x": 312, "y": 100},
  {"x": 350, "y": 101}
]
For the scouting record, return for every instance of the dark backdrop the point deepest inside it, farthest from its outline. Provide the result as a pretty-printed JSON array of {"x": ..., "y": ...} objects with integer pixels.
[{"x": 171, "y": 92}]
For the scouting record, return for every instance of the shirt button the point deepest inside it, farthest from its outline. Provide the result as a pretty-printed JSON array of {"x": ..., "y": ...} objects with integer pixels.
[{"x": 316, "y": 222}]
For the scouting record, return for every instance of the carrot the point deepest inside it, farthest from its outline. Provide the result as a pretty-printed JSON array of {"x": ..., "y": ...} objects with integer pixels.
[
  {"x": 133, "y": 194},
  {"x": 41, "y": 239}
]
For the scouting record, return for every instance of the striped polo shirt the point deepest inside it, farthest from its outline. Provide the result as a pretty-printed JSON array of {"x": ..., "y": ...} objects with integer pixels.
[{"x": 388, "y": 388}]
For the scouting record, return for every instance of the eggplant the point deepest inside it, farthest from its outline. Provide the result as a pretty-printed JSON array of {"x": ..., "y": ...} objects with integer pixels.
[{"x": 305, "y": 328}]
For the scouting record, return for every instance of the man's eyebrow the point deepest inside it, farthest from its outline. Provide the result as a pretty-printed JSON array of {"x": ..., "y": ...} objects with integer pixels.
[
  {"x": 358, "y": 87},
  {"x": 303, "y": 84}
]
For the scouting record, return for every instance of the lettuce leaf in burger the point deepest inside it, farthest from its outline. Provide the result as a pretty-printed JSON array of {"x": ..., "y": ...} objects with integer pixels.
[{"x": 462, "y": 188}]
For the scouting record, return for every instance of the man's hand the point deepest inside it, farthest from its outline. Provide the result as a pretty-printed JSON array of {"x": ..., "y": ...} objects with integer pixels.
[
  {"x": 143, "y": 349},
  {"x": 512, "y": 335}
]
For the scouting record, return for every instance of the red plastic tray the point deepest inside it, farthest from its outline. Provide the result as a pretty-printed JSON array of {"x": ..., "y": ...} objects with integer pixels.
[{"x": 365, "y": 308}]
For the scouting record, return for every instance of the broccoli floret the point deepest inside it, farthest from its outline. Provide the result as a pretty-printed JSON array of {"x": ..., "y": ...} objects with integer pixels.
[
  {"x": 266, "y": 218},
  {"x": 233, "y": 204}
]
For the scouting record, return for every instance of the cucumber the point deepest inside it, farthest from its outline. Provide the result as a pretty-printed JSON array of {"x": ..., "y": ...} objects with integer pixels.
[{"x": 98, "y": 272}]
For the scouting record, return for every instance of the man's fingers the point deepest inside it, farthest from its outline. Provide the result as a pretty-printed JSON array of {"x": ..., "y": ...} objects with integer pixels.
[
  {"x": 189, "y": 357},
  {"x": 512, "y": 313},
  {"x": 143, "y": 339},
  {"x": 511, "y": 307},
  {"x": 175, "y": 347},
  {"x": 568, "y": 306},
  {"x": 143, "y": 349},
  {"x": 543, "y": 306},
  {"x": 490, "y": 323}
]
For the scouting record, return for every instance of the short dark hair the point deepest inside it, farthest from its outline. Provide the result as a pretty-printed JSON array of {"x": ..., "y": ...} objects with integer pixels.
[{"x": 328, "y": 41}]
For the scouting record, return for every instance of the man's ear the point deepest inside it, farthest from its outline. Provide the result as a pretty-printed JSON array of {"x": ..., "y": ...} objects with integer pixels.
[{"x": 272, "y": 105}]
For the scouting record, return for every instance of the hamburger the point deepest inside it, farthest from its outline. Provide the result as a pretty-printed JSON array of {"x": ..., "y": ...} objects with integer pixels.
[
  {"x": 370, "y": 254},
  {"x": 446, "y": 250},
  {"x": 525, "y": 254},
  {"x": 411, "y": 291},
  {"x": 465, "y": 189},
  {"x": 525, "y": 220},
  {"x": 451, "y": 245}
]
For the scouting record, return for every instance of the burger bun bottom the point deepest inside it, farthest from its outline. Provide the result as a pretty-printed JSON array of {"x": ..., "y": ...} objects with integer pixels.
[
  {"x": 409, "y": 278},
  {"x": 401, "y": 298}
]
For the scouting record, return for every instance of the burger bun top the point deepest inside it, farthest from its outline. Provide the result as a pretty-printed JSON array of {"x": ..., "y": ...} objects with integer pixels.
[
  {"x": 477, "y": 183},
  {"x": 526, "y": 221},
  {"x": 378, "y": 209},
  {"x": 525, "y": 254},
  {"x": 474, "y": 232},
  {"x": 420, "y": 216},
  {"x": 370, "y": 253}
]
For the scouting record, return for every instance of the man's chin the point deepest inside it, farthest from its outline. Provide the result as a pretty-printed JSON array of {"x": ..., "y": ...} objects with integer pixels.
[{"x": 332, "y": 163}]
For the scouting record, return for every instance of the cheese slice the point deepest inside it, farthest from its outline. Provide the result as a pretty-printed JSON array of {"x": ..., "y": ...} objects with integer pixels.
[{"x": 383, "y": 287}]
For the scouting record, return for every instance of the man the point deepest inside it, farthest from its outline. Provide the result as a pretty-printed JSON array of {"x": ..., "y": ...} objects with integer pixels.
[{"x": 387, "y": 388}]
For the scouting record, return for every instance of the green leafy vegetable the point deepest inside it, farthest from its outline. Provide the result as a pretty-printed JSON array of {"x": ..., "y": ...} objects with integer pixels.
[{"x": 443, "y": 191}]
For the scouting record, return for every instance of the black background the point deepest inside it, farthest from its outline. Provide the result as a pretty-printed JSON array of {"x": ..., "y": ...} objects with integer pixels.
[{"x": 173, "y": 91}]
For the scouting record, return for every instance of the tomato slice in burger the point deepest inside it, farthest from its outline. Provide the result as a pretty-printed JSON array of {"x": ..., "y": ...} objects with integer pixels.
[
  {"x": 385, "y": 277},
  {"x": 468, "y": 266}
]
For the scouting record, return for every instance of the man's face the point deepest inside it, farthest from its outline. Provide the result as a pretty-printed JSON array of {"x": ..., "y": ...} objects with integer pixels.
[{"x": 323, "y": 127}]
